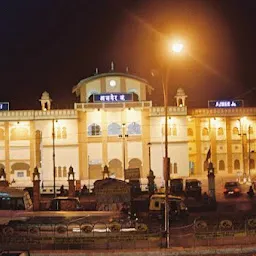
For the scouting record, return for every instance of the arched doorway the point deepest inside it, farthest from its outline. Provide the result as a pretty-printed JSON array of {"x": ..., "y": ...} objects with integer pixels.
[
  {"x": 115, "y": 168},
  {"x": 135, "y": 163}
]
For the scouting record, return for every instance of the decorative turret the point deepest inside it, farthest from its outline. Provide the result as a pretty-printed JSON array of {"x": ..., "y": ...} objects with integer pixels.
[
  {"x": 180, "y": 98},
  {"x": 45, "y": 101}
]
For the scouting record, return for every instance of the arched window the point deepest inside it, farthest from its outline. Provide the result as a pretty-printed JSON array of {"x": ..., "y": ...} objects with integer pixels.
[
  {"x": 94, "y": 130},
  {"x": 190, "y": 132},
  {"x": 174, "y": 130},
  {"x": 64, "y": 132},
  {"x": 221, "y": 165},
  {"x": 19, "y": 133},
  {"x": 114, "y": 129},
  {"x": 252, "y": 164},
  {"x": 58, "y": 133},
  {"x": 220, "y": 131},
  {"x": 237, "y": 164},
  {"x": 134, "y": 129},
  {"x": 135, "y": 94},
  {"x": 90, "y": 95},
  {"x": 235, "y": 131},
  {"x": 169, "y": 130},
  {"x": 205, "y": 132},
  {"x": 175, "y": 168},
  {"x": 65, "y": 172},
  {"x": 59, "y": 172}
]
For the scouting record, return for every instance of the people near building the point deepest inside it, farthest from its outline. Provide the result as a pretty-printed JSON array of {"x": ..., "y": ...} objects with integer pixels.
[
  {"x": 62, "y": 190},
  {"x": 84, "y": 190}
]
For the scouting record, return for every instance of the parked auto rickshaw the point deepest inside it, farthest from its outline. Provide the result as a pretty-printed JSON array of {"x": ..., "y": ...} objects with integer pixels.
[{"x": 176, "y": 186}]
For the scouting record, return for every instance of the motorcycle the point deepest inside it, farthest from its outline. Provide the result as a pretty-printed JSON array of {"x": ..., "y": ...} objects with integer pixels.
[{"x": 250, "y": 193}]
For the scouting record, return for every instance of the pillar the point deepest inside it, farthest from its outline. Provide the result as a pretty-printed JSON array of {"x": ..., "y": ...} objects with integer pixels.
[
  {"x": 3, "y": 181},
  {"x": 211, "y": 181},
  {"x": 144, "y": 141},
  {"x": 71, "y": 182},
  {"x": 82, "y": 146},
  {"x": 71, "y": 188},
  {"x": 198, "y": 167},
  {"x": 7, "y": 150},
  {"x": 229, "y": 145},
  {"x": 36, "y": 190}
]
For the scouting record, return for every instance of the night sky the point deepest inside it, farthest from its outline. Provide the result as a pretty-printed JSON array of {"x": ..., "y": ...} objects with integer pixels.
[{"x": 51, "y": 45}]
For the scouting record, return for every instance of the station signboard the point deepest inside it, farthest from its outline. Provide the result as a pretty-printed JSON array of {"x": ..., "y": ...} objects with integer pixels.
[
  {"x": 132, "y": 174},
  {"x": 112, "y": 97},
  {"x": 4, "y": 106},
  {"x": 225, "y": 103}
]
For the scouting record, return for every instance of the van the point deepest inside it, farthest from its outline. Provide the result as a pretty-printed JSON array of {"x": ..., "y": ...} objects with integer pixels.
[{"x": 13, "y": 202}]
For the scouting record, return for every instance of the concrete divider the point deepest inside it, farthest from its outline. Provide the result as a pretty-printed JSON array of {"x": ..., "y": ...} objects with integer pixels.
[{"x": 198, "y": 251}]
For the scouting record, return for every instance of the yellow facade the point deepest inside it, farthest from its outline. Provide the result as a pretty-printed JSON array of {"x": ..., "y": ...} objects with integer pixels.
[{"x": 105, "y": 129}]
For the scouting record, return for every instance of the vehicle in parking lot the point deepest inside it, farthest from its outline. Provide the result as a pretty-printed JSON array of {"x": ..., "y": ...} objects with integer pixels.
[
  {"x": 65, "y": 203},
  {"x": 232, "y": 188},
  {"x": 176, "y": 186},
  {"x": 193, "y": 188}
]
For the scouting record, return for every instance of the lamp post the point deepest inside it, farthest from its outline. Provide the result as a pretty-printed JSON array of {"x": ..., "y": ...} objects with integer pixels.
[
  {"x": 149, "y": 155},
  {"x": 175, "y": 48},
  {"x": 123, "y": 136},
  {"x": 242, "y": 134}
]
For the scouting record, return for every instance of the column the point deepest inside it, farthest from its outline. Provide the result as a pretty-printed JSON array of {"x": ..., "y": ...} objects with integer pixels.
[
  {"x": 229, "y": 145},
  {"x": 7, "y": 151},
  {"x": 32, "y": 148},
  {"x": 145, "y": 138},
  {"x": 104, "y": 136},
  {"x": 198, "y": 165},
  {"x": 82, "y": 145},
  {"x": 213, "y": 143}
]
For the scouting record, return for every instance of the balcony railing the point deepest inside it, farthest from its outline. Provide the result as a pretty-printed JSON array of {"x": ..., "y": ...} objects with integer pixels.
[
  {"x": 172, "y": 111},
  {"x": 114, "y": 105},
  {"x": 18, "y": 115}
]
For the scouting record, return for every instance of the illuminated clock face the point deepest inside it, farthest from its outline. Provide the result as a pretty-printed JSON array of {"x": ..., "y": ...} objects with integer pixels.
[{"x": 112, "y": 83}]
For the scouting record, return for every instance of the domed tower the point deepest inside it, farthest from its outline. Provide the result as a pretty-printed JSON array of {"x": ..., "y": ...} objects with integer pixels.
[
  {"x": 45, "y": 101},
  {"x": 180, "y": 98}
]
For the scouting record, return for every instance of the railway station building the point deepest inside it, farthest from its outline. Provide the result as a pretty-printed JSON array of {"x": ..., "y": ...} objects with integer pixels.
[{"x": 114, "y": 124}]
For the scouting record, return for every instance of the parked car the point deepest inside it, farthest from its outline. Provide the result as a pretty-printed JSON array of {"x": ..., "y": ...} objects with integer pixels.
[
  {"x": 63, "y": 203},
  {"x": 193, "y": 188},
  {"x": 176, "y": 186},
  {"x": 232, "y": 188}
]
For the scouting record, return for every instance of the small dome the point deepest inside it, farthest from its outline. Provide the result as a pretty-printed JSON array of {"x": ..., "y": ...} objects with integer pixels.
[
  {"x": 45, "y": 96},
  {"x": 180, "y": 92}
]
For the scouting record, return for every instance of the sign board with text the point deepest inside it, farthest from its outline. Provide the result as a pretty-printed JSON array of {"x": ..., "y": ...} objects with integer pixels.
[
  {"x": 225, "y": 103},
  {"x": 132, "y": 174},
  {"x": 112, "y": 97},
  {"x": 4, "y": 106}
]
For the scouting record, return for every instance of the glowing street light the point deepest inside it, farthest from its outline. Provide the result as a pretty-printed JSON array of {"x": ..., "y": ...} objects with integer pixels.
[{"x": 176, "y": 47}]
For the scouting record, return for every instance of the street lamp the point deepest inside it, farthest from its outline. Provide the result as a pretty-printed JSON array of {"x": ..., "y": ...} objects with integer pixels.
[
  {"x": 242, "y": 134},
  {"x": 176, "y": 48},
  {"x": 149, "y": 156}
]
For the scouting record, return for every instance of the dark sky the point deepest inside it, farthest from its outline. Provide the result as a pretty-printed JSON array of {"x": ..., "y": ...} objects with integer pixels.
[{"x": 52, "y": 45}]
